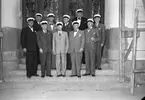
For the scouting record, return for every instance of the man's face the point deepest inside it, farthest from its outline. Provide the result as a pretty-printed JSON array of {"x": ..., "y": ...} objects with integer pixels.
[
  {"x": 90, "y": 24},
  {"x": 65, "y": 20},
  {"x": 44, "y": 26},
  {"x": 97, "y": 20},
  {"x": 50, "y": 19},
  {"x": 79, "y": 14},
  {"x": 76, "y": 26},
  {"x": 38, "y": 18},
  {"x": 30, "y": 23},
  {"x": 59, "y": 27}
]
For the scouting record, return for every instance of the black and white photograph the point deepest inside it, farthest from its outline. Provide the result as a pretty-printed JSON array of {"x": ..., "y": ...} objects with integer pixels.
[{"x": 72, "y": 50}]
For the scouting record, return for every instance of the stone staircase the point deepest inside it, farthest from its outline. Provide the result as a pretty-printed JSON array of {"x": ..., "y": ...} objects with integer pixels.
[{"x": 105, "y": 80}]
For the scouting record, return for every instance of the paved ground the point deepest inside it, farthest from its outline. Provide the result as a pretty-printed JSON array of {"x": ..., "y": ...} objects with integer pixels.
[{"x": 105, "y": 86}]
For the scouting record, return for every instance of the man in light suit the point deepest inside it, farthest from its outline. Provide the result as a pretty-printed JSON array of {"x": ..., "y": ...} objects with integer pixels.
[
  {"x": 60, "y": 48},
  {"x": 52, "y": 27},
  {"x": 91, "y": 37},
  {"x": 76, "y": 47}
]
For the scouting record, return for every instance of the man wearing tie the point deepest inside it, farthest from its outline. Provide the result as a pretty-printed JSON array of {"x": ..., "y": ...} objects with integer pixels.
[
  {"x": 76, "y": 47},
  {"x": 67, "y": 27},
  {"x": 82, "y": 24},
  {"x": 60, "y": 49},
  {"x": 91, "y": 37},
  {"x": 100, "y": 44},
  {"x": 44, "y": 38},
  {"x": 30, "y": 46},
  {"x": 37, "y": 27},
  {"x": 52, "y": 27}
]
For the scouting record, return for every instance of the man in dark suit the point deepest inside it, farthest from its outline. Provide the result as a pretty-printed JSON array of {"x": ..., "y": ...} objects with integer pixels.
[
  {"x": 29, "y": 45},
  {"x": 91, "y": 37},
  {"x": 52, "y": 27},
  {"x": 38, "y": 19},
  {"x": 82, "y": 24},
  {"x": 76, "y": 47},
  {"x": 37, "y": 27},
  {"x": 67, "y": 27},
  {"x": 101, "y": 28},
  {"x": 44, "y": 38}
]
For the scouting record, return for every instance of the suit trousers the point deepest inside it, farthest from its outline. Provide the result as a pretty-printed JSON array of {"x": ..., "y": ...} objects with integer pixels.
[
  {"x": 76, "y": 59},
  {"x": 61, "y": 64},
  {"x": 90, "y": 60},
  {"x": 53, "y": 59},
  {"x": 45, "y": 63},
  {"x": 98, "y": 55},
  {"x": 69, "y": 61},
  {"x": 31, "y": 63}
]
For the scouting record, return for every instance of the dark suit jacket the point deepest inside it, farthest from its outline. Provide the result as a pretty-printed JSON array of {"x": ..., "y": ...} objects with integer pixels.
[
  {"x": 93, "y": 33},
  {"x": 37, "y": 27},
  {"x": 101, "y": 29},
  {"x": 83, "y": 24},
  {"x": 77, "y": 42},
  {"x": 67, "y": 28},
  {"x": 45, "y": 41},
  {"x": 28, "y": 39}
]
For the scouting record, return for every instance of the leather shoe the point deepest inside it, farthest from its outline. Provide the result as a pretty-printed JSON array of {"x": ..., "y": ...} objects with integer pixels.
[
  {"x": 99, "y": 68},
  {"x": 79, "y": 76},
  {"x": 63, "y": 76},
  {"x": 42, "y": 76},
  {"x": 93, "y": 75},
  {"x": 49, "y": 75},
  {"x": 86, "y": 74},
  {"x": 59, "y": 75},
  {"x": 73, "y": 75}
]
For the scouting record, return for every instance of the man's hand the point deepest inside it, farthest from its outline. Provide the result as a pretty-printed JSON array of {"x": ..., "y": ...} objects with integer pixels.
[
  {"x": 41, "y": 51},
  {"x": 53, "y": 52},
  {"x": 25, "y": 50},
  {"x": 81, "y": 49},
  {"x": 102, "y": 45},
  {"x": 92, "y": 39}
]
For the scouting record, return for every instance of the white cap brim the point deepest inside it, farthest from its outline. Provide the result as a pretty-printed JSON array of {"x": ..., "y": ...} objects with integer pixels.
[{"x": 30, "y": 18}]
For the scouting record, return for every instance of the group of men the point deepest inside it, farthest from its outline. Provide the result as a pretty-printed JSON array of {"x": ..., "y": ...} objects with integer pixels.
[{"x": 63, "y": 45}]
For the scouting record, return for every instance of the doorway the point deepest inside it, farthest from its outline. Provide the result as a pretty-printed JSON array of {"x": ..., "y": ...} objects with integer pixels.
[{"x": 60, "y": 7}]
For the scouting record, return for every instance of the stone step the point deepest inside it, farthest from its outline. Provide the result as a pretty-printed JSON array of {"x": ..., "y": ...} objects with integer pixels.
[
  {"x": 104, "y": 66},
  {"x": 68, "y": 72}
]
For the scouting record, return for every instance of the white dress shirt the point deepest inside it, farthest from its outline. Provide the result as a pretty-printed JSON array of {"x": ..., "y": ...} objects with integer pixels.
[
  {"x": 75, "y": 33},
  {"x": 31, "y": 28}
]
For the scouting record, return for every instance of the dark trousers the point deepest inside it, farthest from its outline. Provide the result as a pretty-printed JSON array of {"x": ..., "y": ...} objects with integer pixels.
[
  {"x": 90, "y": 60},
  {"x": 68, "y": 64},
  {"x": 53, "y": 59},
  {"x": 76, "y": 58},
  {"x": 45, "y": 63},
  {"x": 31, "y": 63},
  {"x": 98, "y": 55}
]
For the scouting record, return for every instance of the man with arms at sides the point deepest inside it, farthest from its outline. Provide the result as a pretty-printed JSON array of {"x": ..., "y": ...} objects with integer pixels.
[
  {"x": 60, "y": 48},
  {"x": 37, "y": 27},
  {"x": 30, "y": 46},
  {"x": 76, "y": 47},
  {"x": 44, "y": 38},
  {"x": 52, "y": 27},
  {"x": 91, "y": 37},
  {"x": 101, "y": 28},
  {"x": 82, "y": 25},
  {"x": 67, "y": 27}
]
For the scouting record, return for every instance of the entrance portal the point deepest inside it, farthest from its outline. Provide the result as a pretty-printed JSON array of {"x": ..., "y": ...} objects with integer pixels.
[{"x": 60, "y": 7}]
